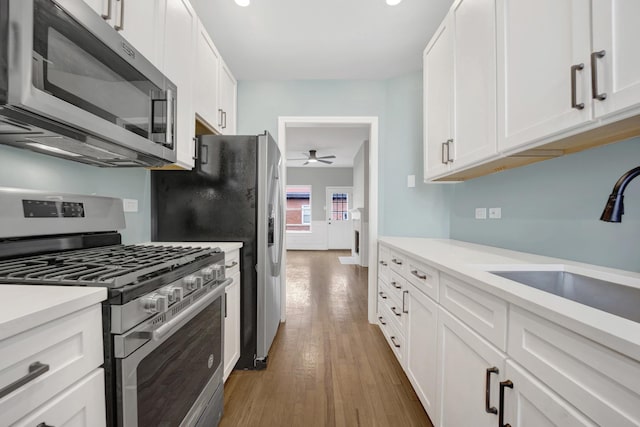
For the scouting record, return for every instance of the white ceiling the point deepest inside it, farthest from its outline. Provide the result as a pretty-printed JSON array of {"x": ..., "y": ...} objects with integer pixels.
[
  {"x": 321, "y": 39},
  {"x": 341, "y": 141}
]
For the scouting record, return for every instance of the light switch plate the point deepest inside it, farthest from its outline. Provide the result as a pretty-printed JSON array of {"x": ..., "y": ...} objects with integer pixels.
[
  {"x": 411, "y": 181},
  {"x": 130, "y": 205},
  {"x": 481, "y": 213},
  {"x": 495, "y": 213}
]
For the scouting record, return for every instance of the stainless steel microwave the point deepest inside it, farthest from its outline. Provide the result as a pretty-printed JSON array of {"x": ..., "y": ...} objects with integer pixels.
[{"x": 71, "y": 86}]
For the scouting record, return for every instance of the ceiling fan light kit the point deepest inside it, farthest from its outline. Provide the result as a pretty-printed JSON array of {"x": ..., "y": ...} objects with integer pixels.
[
  {"x": 243, "y": 3},
  {"x": 393, "y": 2}
]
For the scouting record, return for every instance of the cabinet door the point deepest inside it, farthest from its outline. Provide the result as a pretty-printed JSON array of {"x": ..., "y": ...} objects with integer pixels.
[
  {"x": 438, "y": 100},
  {"x": 141, "y": 22},
  {"x": 421, "y": 347},
  {"x": 531, "y": 404},
  {"x": 179, "y": 59},
  {"x": 463, "y": 360},
  {"x": 228, "y": 91},
  {"x": 80, "y": 405},
  {"x": 616, "y": 32},
  {"x": 232, "y": 326},
  {"x": 474, "y": 43},
  {"x": 539, "y": 41},
  {"x": 206, "y": 88}
]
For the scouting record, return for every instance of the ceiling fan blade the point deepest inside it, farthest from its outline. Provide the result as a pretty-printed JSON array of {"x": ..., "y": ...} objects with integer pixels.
[
  {"x": 305, "y": 163},
  {"x": 298, "y": 159},
  {"x": 325, "y": 161},
  {"x": 327, "y": 157}
]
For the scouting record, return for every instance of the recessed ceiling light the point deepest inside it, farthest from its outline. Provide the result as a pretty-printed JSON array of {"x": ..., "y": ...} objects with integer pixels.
[
  {"x": 389, "y": 2},
  {"x": 243, "y": 3}
]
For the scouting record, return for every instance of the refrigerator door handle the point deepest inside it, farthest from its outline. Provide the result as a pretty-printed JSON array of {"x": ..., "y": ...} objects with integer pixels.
[{"x": 280, "y": 202}]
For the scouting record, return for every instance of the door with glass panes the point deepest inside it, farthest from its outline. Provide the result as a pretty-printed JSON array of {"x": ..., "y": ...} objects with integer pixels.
[{"x": 339, "y": 227}]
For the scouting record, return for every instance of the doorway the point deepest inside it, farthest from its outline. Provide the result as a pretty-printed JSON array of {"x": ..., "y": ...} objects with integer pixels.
[
  {"x": 369, "y": 229},
  {"x": 338, "y": 213}
]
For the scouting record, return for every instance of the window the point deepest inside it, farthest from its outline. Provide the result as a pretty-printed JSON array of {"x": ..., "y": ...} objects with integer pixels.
[
  {"x": 299, "y": 208},
  {"x": 340, "y": 207}
]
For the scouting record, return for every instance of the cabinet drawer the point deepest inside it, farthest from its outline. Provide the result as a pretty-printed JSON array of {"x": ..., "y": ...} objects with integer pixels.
[
  {"x": 425, "y": 278},
  {"x": 397, "y": 262},
  {"x": 384, "y": 258},
  {"x": 481, "y": 311},
  {"x": 81, "y": 405},
  {"x": 232, "y": 262},
  {"x": 395, "y": 312},
  {"x": 396, "y": 285},
  {"x": 391, "y": 334},
  {"x": 586, "y": 374},
  {"x": 71, "y": 347}
]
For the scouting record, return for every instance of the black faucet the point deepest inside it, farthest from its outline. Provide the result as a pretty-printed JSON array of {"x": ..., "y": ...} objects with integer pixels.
[{"x": 614, "y": 209}]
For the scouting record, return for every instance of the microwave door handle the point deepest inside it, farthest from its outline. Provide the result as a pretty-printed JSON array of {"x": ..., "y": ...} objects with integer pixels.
[{"x": 169, "y": 134}]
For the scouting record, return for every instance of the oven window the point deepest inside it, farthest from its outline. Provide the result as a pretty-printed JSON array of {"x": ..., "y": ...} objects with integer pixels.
[
  {"x": 171, "y": 378},
  {"x": 73, "y": 65}
]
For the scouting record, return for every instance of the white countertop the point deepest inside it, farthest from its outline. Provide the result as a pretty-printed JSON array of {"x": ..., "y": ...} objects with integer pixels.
[
  {"x": 23, "y": 307},
  {"x": 224, "y": 246},
  {"x": 469, "y": 262}
]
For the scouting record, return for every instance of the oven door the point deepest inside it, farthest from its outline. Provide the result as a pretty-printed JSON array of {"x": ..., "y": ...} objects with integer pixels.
[
  {"x": 171, "y": 379},
  {"x": 67, "y": 64}
]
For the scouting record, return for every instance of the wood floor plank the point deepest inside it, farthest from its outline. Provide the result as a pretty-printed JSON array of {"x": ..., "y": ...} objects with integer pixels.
[{"x": 327, "y": 366}]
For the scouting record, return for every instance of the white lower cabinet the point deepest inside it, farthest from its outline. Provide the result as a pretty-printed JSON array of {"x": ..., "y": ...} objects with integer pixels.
[
  {"x": 466, "y": 364},
  {"x": 81, "y": 405},
  {"x": 529, "y": 403},
  {"x": 232, "y": 326},
  {"x": 420, "y": 347}
]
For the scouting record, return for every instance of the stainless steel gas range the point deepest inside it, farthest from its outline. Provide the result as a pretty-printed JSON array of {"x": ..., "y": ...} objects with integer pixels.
[{"x": 163, "y": 320}]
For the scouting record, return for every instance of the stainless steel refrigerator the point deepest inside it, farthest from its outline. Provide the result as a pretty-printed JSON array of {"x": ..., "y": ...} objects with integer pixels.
[{"x": 233, "y": 194}]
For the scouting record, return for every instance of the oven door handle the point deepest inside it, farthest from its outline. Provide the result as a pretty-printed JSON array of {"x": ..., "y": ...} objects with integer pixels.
[{"x": 175, "y": 323}]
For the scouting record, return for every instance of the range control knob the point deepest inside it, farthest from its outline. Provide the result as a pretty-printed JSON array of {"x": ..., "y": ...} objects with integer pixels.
[
  {"x": 192, "y": 283},
  {"x": 173, "y": 293},
  {"x": 155, "y": 303},
  {"x": 212, "y": 272}
]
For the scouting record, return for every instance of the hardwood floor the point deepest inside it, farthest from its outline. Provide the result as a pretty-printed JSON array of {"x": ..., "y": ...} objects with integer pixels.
[{"x": 328, "y": 366}]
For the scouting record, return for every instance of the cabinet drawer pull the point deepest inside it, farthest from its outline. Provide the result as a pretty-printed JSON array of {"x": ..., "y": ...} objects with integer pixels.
[
  {"x": 106, "y": 14},
  {"x": 594, "y": 76},
  {"x": 224, "y": 119},
  {"x": 233, "y": 264},
  {"x": 119, "y": 16},
  {"x": 418, "y": 275},
  {"x": 43, "y": 425},
  {"x": 395, "y": 284},
  {"x": 574, "y": 77},
  {"x": 382, "y": 295},
  {"x": 404, "y": 310},
  {"x": 487, "y": 394},
  {"x": 382, "y": 320},
  {"x": 396, "y": 261},
  {"x": 395, "y": 312},
  {"x": 450, "y": 158},
  {"x": 503, "y": 385},
  {"x": 445, "y": 147},
  {"x": 384, "y": 264},
  {"x": 35, "y": 370},
  {"x": 395, "y": 344},
  {"x": 219, "y": 117}
]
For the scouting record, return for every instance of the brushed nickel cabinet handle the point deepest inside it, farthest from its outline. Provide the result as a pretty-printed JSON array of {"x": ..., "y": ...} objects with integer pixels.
[
  {"x": 418, "y": 275},
  {"x": 233, "y": 264},
  {"x": 450, "y": 158},
  {"x": 395, "y": 285},
  {"x": 574, "y": 96},
  {"x": 395, "y": 312},
  {"x": 382, "y": 320},
  {"x": 35, "y": 370},
  {"x": 396, "y": 261},
  {"x": 120, "y": 16},
  {"x": 382, "y": 295},
  {"x": 594, "y": 76},
  {"x": 404, "y": 310},
  {"x": 445, "y": 159},
  {"x": 106, "y": 10},
  {"x": 487, "y": 391}
]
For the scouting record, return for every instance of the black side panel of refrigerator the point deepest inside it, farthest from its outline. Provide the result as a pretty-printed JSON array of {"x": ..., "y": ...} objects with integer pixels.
[{"x": 216, "y": 202}]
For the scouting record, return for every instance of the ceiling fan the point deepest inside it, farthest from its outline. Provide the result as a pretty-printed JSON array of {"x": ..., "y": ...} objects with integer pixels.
[{"x": 313, "y": 158}]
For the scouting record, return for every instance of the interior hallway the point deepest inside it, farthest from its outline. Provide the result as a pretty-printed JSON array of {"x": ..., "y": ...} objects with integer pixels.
[{"x": 328, "y": 366}]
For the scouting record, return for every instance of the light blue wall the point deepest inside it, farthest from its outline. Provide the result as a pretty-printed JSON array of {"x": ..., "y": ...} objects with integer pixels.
[
  {"x": 420, "y": 211},
  {"x": 553, "y": 208},
  {"x": 26, "y": 169}
]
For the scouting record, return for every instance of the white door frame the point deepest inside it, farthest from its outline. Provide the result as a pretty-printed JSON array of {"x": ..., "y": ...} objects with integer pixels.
[
  {"x": 335, "y": 189},
  {"x": 313, "y": 121}
]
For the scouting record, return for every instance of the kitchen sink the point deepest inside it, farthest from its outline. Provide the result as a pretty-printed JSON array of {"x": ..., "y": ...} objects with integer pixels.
[{"x": 614, "y": 298}]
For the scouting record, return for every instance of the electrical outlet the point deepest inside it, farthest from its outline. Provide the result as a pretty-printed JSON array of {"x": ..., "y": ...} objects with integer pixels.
[
  {"x": 495, "y": 213},
  {"x": 411, "y": 181},
  {"x": 481, "y": 213},
  {"x": 130, "y": 205}
]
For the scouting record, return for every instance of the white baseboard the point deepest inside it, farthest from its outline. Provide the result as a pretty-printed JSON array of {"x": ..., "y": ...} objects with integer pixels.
[{"x": 316, "y": 240}]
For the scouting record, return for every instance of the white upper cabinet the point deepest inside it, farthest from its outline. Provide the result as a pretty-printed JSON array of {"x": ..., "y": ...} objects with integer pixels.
[
  {"x": 179, "y": 63},
  {"x": 228, "y": 100},
  {"x": 206, "y": 89},
  {"x": 615, "y": 55},
  {"x": 474, "y": 62},
  {"x": 141, "y": 23},
  {"x": 544, "y": 69},
  {"x": 438, "y": 101}
]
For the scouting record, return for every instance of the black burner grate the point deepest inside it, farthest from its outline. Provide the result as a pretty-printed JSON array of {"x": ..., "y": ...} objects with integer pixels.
[{"x": 112, "y": 266}]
